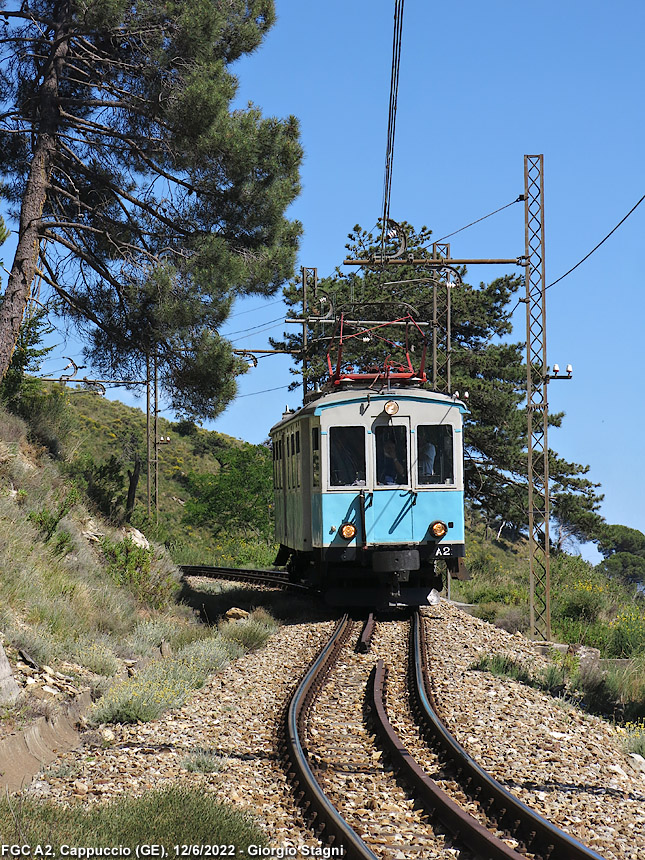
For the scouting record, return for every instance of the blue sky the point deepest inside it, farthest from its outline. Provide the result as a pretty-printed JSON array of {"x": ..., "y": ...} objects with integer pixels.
[{"x": 481, "y": 85}]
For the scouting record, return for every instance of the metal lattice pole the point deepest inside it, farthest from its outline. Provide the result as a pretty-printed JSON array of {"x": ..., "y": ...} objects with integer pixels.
[
  {"x": 441, "y": 323},
  {"x": 309, "y": 277},
  {"x": 537, "y": 406}
]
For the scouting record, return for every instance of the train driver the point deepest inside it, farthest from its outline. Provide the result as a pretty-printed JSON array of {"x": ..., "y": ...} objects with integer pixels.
[{"x": 392, "y": 470}]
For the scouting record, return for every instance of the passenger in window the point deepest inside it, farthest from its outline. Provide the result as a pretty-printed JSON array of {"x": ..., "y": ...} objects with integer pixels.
[
  {"x": 392, "y": 470},
  {"x": 427, "y": 457}
]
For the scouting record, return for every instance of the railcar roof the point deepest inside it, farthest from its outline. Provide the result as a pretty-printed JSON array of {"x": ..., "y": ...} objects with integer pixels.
[{"x": 354, "y": 395}]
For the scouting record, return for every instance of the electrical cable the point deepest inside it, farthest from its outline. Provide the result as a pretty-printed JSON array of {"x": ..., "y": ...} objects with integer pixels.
[
  {"x": 391, "y": 120},
  {"x": 573, "y": 268},
  {"x": 259, "y": 330},
  {"x": 266, "y": 391},
  {"x": 256, "y": 308},
  {"x": 483, "y": 218},
  {"x": 228, "y": 334}
]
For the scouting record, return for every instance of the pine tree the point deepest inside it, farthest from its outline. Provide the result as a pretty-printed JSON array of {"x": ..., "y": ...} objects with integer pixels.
[
  {"x": 142, "y": 200},
  {"x": 484, "y": 363}
]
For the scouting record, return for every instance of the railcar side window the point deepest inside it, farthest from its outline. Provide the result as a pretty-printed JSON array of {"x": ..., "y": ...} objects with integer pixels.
[
  {"x": 347, "y": 456},
  {"x": 391, "y": 455},
  {"x": 315, "y": 455},
  {"x": 435, "y": 459}
]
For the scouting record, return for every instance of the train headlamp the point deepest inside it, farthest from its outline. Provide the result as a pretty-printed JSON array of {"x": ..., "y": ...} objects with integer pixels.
[
  {"x": 391, "y": 407},
  {"x": 438, "y": 529},
  {"x": 348, "y": 531}
]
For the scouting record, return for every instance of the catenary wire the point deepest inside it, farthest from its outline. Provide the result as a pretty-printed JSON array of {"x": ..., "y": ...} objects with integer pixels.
[
  {"x": 483, "y": 218},
  {"x": 228, "y": 334},
  {"x": 391, "y": 120},
  {"x": 586, "y": 257},
  {"x": 265, "y": 391}
]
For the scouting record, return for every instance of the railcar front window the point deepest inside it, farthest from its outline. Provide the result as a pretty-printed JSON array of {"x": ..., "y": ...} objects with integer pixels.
[
  {"x": 347, "y": 456},
  {"x": 391, "y": 455},
  {"x": 435, "y": 461}
]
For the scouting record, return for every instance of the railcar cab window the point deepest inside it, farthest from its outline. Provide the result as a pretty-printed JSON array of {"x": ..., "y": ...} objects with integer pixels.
[
  {"x": 391, "y": 455},
  {"x": 346, "y": 456},
  {"x": 435, "y": 454}
]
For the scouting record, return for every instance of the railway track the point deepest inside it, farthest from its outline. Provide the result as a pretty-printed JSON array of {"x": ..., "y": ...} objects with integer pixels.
[
  {"x": 271, "y": 578},
  {"x": 353, "y": 800}
]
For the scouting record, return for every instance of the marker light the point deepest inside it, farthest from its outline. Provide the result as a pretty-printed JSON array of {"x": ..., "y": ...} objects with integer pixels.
[
  {"x": 438, "y": 529},
  {"x": 391, "y": 407},
  {"x": 348, "y": 531}
]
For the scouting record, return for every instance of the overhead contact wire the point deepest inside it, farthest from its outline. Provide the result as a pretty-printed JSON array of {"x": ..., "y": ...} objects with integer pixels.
[{"x": 391, "y": 121}]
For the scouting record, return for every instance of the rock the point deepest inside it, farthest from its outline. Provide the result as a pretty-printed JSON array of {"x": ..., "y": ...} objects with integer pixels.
[
  {"x": 137, "y": 537},
  {"x": 29, "y": 660},
  {"x": 9, "y": 688},
  {"x": 235, "y": 614},
  {"x": 637, "y": 762}
]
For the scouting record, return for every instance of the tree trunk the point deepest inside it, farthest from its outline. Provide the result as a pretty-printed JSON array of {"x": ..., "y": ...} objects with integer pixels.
[
  {"x": 132, "y": 487},
  {"x": 25, "y": 260}
]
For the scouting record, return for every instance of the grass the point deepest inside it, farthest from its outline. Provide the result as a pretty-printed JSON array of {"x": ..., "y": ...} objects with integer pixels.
[
  {"x": 173, "y": 816},
  {"x": 584, "y": 684},
  {"x": 586, "y": 607},
  {"x": 635, "y": 738},
  {"x": 203, "y": 761},
  {"x": 165, "y": 684}
]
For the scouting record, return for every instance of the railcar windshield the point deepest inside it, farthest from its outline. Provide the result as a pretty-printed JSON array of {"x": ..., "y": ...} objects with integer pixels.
[
  {"x": 347, "y": 456},
  {"x": 435, "y": 461},
  {"x": 391, "y": 455}
]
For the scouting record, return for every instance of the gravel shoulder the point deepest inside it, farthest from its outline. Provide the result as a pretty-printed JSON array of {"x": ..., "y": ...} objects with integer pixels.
[{"x": 570, "y": 766}]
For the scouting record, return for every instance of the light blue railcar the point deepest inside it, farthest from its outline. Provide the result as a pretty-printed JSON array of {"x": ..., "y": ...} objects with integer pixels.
[{"x": 369, "y": 494}]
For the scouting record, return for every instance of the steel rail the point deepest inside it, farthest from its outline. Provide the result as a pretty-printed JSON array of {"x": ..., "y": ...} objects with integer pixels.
[
  {"x": 536, "y": 833},
  {"x": 365, "y": 641},
  {"x": 318, "y": 806},
  {"x": 266, "y": 577},
  {"x": 437, "y": 803}
]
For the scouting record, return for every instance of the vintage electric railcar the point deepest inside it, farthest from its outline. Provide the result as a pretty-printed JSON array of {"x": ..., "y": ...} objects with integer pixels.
[{"x": 369, "y": 493}]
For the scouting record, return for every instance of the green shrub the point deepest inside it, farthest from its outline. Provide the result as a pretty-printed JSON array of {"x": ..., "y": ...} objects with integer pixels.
[
  {"x": 138, "y": 569},
  {"x": 37, "y": 640},
  {"x": 104, "y": 483},
  {"x": 599, "y": 690},
  {"x": 48, "y": 417},
  {"x": 148, "y": 635},
  {"x": 503, "y": 666},
  {"x": 636, "y": 738},
  {"x": 584, "y": 604},
  {"x": 165, "y": 684},
  {"x": 553, "y": 679},
  {"x": 251, "y": 633},
  {"x": 47, "y": 521},
  {"x": 63, "y": 543},
  {"x": 95, "y": 655},
  {"x": 203, "y": 761},
  {"x": 168, "y": 817},
  {"x": 627, "y": 632}
]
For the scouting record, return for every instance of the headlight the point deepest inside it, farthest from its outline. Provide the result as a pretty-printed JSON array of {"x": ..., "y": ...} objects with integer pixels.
[
  {"x": 438, "y": 529},
  {"x": 348, "y": 531},
  {"x": 391, "y": 407}
]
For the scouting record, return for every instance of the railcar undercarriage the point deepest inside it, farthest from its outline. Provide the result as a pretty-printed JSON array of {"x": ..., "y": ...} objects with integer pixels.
[{"x": 378, "y": 579}]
